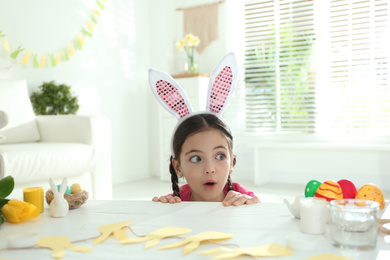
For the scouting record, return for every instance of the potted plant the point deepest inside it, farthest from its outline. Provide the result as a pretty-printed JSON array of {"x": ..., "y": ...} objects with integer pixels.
[{"x": 53, "y": 99}]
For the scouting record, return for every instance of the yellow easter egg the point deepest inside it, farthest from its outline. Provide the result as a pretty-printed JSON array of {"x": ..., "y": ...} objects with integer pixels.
[
  {"x": 329, "y": 190},
  {"x": 371, "y": 192},
  {"x": 76, "y": 187}
]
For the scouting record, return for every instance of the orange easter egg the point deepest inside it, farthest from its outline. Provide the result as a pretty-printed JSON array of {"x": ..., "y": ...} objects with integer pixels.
[
  {"x": 329, "y": 190},
  {"x": 371, "y": 192}
]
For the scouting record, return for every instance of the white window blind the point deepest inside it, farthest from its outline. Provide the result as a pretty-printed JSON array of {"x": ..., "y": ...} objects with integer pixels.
[
  {"x": 359, "y": 60},
  {"x": 317, "y": 66}
]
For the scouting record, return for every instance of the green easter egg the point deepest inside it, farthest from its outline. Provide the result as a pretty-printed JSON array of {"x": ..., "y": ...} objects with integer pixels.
[
  {"x": 311, "y": 188},
  {"x": 68, "y": 189}
]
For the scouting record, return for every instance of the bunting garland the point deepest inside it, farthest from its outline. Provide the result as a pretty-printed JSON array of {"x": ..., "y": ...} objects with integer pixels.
[{"x": 78, "y": 42}]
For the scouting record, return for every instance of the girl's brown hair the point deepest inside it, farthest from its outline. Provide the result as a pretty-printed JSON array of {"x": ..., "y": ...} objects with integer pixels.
[{"x": 193, "y": 125}]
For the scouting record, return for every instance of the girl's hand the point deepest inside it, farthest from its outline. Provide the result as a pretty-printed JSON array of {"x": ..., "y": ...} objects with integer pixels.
[
  {"x": 167, "y": 199},
  {"x": 236, "y": 199}
]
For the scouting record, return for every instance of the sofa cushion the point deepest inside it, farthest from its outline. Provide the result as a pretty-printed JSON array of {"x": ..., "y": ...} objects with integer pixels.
[
  {"x": 31, "y": 162},
  {"x": 14, "y": 100}
]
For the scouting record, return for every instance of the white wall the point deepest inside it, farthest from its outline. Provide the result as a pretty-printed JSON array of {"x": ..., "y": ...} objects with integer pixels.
[{"x": 109, "y": 75}]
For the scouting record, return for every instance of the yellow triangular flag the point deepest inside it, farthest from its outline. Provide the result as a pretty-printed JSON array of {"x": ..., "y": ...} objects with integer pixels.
[
  {"x": 71, "y": 50},
  {"x": 81, "y": 39},
  {"x": 58, "y": 60},
  {"x": 97, "y": 12},
  {"x": 26, "y": 57},
  {"x": 43, "y": 62},
  {"x": 6, "y": 45},
  {"x": 90, "y": 26}
]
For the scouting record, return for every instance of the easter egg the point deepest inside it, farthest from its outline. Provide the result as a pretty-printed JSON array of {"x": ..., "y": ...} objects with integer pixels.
[
  {"x": 371, "y": 192},
  {"x": 67, "y": 191},
  {"x": 311, "y": 188},
  {"x": 329, "y": 190},
  {"x": 76, "y": 187},
  {"x": 348, "y": 188}
]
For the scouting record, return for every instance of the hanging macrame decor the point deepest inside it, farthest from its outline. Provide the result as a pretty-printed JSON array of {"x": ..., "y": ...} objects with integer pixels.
[{"x": 77, "y": 43}]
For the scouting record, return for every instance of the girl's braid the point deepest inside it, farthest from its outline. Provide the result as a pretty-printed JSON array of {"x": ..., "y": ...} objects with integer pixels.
[
  {"x": 229, "y": 183},
  {"x": 229, "y": 180},
  {"x": 174, "y": 179}
]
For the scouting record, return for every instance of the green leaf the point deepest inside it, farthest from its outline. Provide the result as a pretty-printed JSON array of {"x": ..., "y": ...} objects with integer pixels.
[
  {"x": 7, "y": 185},
  {"x": 1, "y": 218},
  {"x": 3, "y": 202}
]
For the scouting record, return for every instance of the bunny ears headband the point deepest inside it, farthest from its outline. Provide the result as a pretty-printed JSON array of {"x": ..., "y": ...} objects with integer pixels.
[{"x": 173, "y": 98}]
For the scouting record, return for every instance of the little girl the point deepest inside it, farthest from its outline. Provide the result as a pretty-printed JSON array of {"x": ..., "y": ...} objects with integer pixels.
[{"x": 202, "y": 144}]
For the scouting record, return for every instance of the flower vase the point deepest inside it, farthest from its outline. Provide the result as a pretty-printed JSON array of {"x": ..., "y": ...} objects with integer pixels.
[{"x": 191, "y": 67}]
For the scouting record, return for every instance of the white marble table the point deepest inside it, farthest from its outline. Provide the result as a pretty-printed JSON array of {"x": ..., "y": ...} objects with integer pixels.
[{"x": 253, "y": 225}]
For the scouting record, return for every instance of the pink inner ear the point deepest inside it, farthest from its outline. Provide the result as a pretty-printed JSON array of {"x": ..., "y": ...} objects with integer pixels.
[
  {"x": 220, "y": 90},
  {"x": 171, "y": 96}
]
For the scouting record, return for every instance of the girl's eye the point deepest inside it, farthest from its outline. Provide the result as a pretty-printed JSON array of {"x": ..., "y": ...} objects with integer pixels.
[
  {"x": 220, "y": 156},
  {"x": 195, "y": 159}
]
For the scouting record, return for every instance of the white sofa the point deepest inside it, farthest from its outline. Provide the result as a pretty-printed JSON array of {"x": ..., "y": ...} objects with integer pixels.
[{"x": 36, "y": 148}]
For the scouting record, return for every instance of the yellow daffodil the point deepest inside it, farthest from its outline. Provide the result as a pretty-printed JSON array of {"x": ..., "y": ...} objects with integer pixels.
[
  {"x": 188, "y": 43},
  {"x": 189, "y": 37},
  {"x": 180, "y": 44},
  {"x": 15, "y": 211},
  {"x": 195, "y": 41}
]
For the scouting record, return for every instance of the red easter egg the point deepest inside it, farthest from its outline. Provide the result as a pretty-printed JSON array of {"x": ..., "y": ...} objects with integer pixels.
[
  {"x": 329, "y": 190},
  {"x": 348, "y": 188}
]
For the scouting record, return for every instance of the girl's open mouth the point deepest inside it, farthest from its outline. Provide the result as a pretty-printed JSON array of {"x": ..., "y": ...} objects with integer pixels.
[{"x": 209, "y": 184}]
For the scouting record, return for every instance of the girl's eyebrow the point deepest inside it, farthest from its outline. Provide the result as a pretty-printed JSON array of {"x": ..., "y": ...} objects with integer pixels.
[
  {"x": 220, "y": 147},
  {"x": 193, "y": 151},
  {"x": 199, "y": 151}
]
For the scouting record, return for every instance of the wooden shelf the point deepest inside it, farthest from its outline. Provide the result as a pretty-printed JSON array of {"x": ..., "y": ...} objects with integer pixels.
[{"x": 190, "y": 75}]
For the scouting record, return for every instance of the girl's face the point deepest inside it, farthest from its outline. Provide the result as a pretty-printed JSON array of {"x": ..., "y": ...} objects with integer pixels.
[{"x": 205, "y": 162}]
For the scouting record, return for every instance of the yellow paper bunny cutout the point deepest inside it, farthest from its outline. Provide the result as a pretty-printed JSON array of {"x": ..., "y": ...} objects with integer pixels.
[
  {"x": 329, "y": 257},
  {"x": 115, "y": 229},
  {"x": 192, "y": 243},
  {"x": 157, "y": 235},
  {"x": 58, "y": 245},
  {"x": 272, "y": 250}
]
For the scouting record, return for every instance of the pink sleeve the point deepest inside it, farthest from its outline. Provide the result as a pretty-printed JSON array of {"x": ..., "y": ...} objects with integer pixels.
[{"x": 185, "y": 193}]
